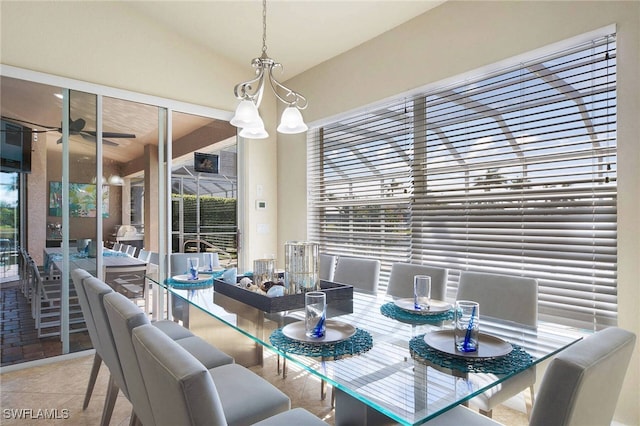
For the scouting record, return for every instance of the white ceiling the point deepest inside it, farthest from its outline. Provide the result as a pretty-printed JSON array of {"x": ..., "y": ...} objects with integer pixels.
[{"x": 300, "y": 33}]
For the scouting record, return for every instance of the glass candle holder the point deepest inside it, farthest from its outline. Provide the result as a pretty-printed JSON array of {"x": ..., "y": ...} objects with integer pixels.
[
  {"x": 301, "y": 267},
  {"x": 263, "y": 271}
]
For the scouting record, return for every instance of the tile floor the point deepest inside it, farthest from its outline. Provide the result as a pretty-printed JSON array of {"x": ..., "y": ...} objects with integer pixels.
[
  {"x": 59, "y": 388},
  {"x": 37, "y": 382}
]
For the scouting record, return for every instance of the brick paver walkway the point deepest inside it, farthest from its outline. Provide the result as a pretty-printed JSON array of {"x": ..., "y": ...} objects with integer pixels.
[{"x": 18, "y": 336}]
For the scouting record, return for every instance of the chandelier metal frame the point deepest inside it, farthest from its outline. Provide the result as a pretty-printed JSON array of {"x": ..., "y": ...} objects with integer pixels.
[{"x": 253, "y": 90}]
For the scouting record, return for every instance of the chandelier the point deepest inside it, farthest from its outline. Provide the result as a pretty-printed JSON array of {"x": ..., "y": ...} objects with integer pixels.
[{"x": 250, "y": 95}]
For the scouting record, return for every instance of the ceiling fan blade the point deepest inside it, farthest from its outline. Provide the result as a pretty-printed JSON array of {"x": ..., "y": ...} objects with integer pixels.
[
  {"x": 75, "y": 127},
  {"x": 19, "y": 121},
  {"x": 112, "y": 135},
  {"x": 89, "y": 138}
]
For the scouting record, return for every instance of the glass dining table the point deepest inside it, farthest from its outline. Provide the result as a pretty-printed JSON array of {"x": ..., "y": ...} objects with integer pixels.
[{"x": 389, "y": 366}]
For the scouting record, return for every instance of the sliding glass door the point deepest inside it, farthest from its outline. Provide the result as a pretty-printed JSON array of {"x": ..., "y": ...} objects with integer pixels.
[{"x": 100, "y": 170}]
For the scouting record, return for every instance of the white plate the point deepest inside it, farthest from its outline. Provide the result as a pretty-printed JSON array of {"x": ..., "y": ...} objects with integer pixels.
[
  {"x": 336, "y": 331},
  {"x": 185, "y": 278},
  {"x": 435, "y": 307},
  {"x": 488, "y": 346}
]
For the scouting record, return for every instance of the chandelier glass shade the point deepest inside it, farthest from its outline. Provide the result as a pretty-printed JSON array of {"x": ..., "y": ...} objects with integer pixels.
[{"x": 250, "y": 94}]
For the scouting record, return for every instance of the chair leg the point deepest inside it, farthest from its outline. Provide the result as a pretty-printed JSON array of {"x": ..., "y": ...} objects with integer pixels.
[
  {"x": 487, "y": 413},
  {"x": 333, "y": 398},
  {"x": 97, "y": 362},
  {"x": 109, "y": 402},
  {"x": 134, "y": 420},
  {"x": 529, "y": 404}
]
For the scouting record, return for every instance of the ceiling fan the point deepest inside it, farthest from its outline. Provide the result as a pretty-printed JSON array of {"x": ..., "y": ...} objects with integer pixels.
[{"x": 76, "y": 127}]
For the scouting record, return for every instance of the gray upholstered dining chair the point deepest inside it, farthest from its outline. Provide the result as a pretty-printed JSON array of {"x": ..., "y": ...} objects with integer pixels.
[
  {"x": 182, "y": 391},
  {"x": 179, "y": 266},
  {"x": 327, "y": 266},
  {"x": 124, "y": 316},
  {"x": 96, "y": 290},
  {"x": 401, "y": 280},
  {"x": 77, "y": 277},
  {"x": 509, "y": 298},
  {"x": 361, "y": 273},
  {"x": 580, "y": 387}
]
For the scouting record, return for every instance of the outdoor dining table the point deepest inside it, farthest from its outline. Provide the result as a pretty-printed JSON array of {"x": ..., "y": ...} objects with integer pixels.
[
  {"x": 385, "y": 370},
  {"x": 110, "y": 259}
]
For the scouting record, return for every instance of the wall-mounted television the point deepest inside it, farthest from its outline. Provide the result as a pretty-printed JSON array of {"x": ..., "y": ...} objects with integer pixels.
[
  {"x": 15, "y": 148},
  {"x": 206, "y": 163}
]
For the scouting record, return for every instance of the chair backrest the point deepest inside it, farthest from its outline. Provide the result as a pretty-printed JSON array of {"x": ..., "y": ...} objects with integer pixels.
[
  {"x": 131, "y": 251},
  {"x": 154, "y": 258},
  {"x": 361, "y": 273},
  {"x": 582, "y": 384},
  {"x": 123, "y": 317},
  {"x": 327, "y": 267},
  {"x": 181, "y": 390},
  {"x": 78, "y": 276},
  {"x": 506, "y": 297},
  {"x": 153, "y": 264},
  {"x": 401, "y": 280},
  {"x": 144, "y": 255},
  {"x": 133, "y": 274},
  {"x": 96, "y": 289}
]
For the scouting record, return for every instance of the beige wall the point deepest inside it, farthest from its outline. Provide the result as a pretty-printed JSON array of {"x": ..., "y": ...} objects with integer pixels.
[
  {"x": 458, "y": 37},
  {"x": 122, "y": 50},
  {"x": 105, "y": 42}
]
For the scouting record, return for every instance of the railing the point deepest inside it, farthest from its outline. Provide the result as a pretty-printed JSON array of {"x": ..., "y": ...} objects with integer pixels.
[{"x": 226, "y": 258}]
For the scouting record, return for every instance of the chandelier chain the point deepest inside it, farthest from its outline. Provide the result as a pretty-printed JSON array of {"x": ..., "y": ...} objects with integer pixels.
[{"x": 264, "y": 26}]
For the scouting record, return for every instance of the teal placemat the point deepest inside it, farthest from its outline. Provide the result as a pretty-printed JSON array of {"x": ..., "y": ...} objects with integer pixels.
[
  {"x": 189, "y": 286},
  {"x": 516, "y": 360},
  {"x": 392, "y": 311},
  {"x": 360, "y": 342}
]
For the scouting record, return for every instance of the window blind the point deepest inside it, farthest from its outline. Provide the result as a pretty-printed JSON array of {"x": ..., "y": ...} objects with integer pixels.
[{"x": 511, "y": 173}]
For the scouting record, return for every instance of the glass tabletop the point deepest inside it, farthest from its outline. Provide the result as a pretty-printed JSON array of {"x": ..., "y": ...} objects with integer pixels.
[{"x": 395, "y": 373}]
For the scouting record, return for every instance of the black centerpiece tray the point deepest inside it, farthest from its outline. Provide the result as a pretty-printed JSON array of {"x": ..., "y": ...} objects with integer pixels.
[{"x": 337, "y": 294}]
